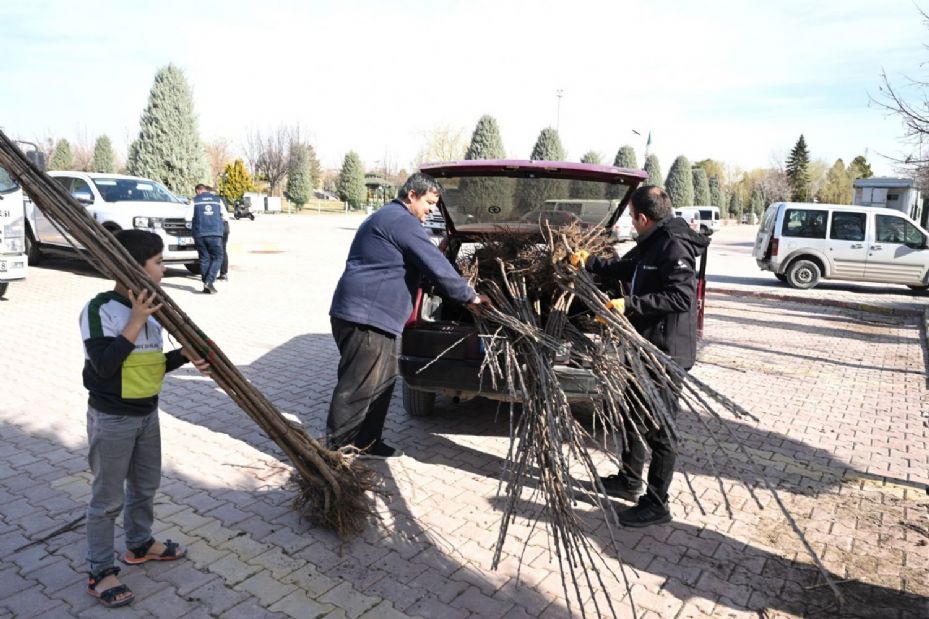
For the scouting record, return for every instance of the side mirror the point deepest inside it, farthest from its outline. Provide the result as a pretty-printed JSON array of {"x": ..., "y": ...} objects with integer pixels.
[
  {"x": 36, "y": 158},
  {"x": 84, "y": 197}
]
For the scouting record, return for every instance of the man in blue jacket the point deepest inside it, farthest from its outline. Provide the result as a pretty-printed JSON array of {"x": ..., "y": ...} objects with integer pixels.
[
  {"x": 207, "y": 229},
  {"x": 391, "y": 253}
]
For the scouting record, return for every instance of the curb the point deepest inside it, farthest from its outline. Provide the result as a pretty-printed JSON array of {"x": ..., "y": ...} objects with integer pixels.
[{"x": 850, "y": 305}]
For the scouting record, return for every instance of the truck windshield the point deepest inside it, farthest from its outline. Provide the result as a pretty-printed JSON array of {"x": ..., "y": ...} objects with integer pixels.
[
  {"x": 7, "y": 184},
  {"x": 132, "y": 189}
]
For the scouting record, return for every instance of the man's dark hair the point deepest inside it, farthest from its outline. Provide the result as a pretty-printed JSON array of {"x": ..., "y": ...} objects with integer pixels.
[
  {"x": 420, "y": 184},
  {"x": 201, "y": 187},
  {"x": 653, "y": 202},
  {"x": 140, "y": 244}
]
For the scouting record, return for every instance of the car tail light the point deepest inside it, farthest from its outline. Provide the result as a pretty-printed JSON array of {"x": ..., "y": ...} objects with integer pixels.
[{"x": 774, "y": 244}]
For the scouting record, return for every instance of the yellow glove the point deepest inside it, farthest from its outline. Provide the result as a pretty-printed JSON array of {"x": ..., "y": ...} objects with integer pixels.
[
  {"x": 616, "y": 305},
  {"x": 579, "y": 259}
]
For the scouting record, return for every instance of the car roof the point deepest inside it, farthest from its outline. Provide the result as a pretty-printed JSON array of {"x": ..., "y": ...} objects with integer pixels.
[
  {"x": 99, "y": 175},
  {"x": 525, "y": 167}
]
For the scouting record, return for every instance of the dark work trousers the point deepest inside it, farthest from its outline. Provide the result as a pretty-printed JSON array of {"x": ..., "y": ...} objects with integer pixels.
[
  {"x": 661, "y": 467},
  {"x": 210, "y": 249},
  {"x": 225, "y": 266},
  {"x": 367, "y": 373}
]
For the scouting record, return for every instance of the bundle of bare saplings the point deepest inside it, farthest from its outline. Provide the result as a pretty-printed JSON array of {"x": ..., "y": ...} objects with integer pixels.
[
  {"x": 335, "y": 488},
  {"x": 550, "y": 340}
]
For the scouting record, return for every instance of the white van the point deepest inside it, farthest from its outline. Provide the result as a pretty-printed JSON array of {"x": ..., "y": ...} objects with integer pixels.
[
  {"x": 801, "y": 243},
  {"x": 704, "y": 219}
]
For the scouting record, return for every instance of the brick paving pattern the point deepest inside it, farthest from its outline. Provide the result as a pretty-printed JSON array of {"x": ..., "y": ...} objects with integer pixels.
[{"x": 840, "y": 394}]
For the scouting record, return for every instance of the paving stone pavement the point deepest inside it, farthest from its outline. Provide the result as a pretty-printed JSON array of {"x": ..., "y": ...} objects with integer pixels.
[{"x": 840, "y": 396}]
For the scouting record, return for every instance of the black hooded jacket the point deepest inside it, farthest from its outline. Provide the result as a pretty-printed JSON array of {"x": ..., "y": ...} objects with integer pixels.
[{"x": 660, "y": 286}]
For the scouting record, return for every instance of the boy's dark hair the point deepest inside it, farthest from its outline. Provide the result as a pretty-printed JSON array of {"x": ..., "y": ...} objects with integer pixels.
[
  {"x": 202, "y": 187},
  {"x": 420, "y": 184},
  {"x": 140, "y": 244},
  {"x": 653, "y": 202}
]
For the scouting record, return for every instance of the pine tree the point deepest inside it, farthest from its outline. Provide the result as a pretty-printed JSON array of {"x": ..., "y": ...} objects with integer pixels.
[
  {"x": 168, "y": 148},
  {"x": 680, "y": 183},
  {"x": 701, "y": 187},
  {"x": 625, "y": 158},
  {"x": 653, "y": 168},
  {"x": 859, "y": 168},
  {"x": 548, "y": 146},
  {"x": 235, "y": 181},
  {"x": 104, "y": 159},
  {"x": 316, "y": 172},
  {"x": 798, "y": 172},
  {"x": 837, "y": 189},
  {"x": 485, "y": 141},
  {"x": 735, "y": 206},
  {"x": 299, "y": 188},
  {"x": 352, "y": 181},
  {"x": 757, "y": 201},
  {"x": 585, "y": 189},
  {"x": 62, "y": 158},
  {"x": 716, "y": 197}
]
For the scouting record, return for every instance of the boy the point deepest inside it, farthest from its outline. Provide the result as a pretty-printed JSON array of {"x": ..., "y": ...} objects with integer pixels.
[{"x": 123, "y": 370}]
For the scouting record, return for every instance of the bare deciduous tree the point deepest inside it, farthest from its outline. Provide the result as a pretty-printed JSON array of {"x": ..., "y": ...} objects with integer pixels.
[
  {"x": 444, "y": 143},
  {"x": 268, "y": 155},
  {"x": 218, "y": 154}
]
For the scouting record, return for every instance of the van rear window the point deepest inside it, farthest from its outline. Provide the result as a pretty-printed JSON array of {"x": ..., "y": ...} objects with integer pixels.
[{"x": 803, "y": 223}]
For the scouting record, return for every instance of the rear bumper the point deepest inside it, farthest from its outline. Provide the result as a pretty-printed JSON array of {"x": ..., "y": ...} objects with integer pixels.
[
  {"x": 462, "y": 378},
  {"x": 12, "y": 267}
]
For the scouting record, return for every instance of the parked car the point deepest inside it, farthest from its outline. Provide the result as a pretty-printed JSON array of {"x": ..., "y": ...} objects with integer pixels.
[
  {"x": 482, "y": 199},
  {"x": 690, "y": 215},
  {"x": 118, "y": 202},
  {"x": 802, "y": 243}
]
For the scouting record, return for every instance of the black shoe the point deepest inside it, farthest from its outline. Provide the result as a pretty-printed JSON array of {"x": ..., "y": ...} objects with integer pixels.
[
  {"x": 223, "y": 277},
  {"x": 207, "y": 290},
  {"x": 212, "y": 289},
  {"x": 380, "y": 450},
  {"x": 648, "y": 511},
  {"x": 621, "y": 487}
]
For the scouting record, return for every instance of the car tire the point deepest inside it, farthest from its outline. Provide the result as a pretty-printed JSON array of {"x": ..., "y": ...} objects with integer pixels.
[
  {"x": 781, "y": 277},
  {"x": 193, "y": 267},
  {"x": 803, "y": 274},
  {"x": 418, "y": 403},
  {"x": 33, "y": 253}
]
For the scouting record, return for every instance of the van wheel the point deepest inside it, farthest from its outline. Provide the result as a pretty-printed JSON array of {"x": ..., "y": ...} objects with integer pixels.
[
  {"x": 781, "y": 277},
  {"x": 920, "y": 288},
  {"x": 705, "y": 230},
  {"x": 33, "y": 254},
  {"x": 418, "y": 403},
  {"x": 803, "y": 274}
]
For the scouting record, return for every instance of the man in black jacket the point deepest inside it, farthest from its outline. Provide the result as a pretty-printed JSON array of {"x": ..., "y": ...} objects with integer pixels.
[{"x": 659, "y": 277}]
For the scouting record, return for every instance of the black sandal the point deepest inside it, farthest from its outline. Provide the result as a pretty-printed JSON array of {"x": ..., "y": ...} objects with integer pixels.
[
  {"x": 109, "y": 597},
  {"x": 172, "y": 552}
]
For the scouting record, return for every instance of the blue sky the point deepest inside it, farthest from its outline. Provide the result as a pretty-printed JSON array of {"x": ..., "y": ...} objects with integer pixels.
[{"x": 737, "y": 81}]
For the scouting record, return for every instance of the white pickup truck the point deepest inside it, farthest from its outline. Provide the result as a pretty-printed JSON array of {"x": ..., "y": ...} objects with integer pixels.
[{"x": 118, "y": 202}]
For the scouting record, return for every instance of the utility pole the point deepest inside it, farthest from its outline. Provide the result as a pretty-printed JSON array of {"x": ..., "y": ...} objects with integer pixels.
[{"x": 558, "y": 93}]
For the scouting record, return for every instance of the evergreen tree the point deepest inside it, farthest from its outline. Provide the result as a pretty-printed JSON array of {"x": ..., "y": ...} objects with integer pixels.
[
  {"x": 586, "y": 189},
  {"x": 653, "y": 168},
  {"x": 716, "y": 197},
  {"x": 548, "y": 146},
  {"x": 757, "y": 201},
  {"x": 680, "y": 183},
  {"x": 352, "y": 181},
  {"x": 485, "y": 141},
  {"x": 235, "y": 181},
  {"x": 104, "y": 159},
  {"x": 299, "y": 188},
  {"x": 316, "y": 171},
  {"x": 859, "y": 168},
  {"x": 798, "y": 172},
  {"x": 625, "y": 158},
  {"x": 735, "y": 206},
  {"x": 837, "y": 188},
  {"x": 62, "y": 157},
  {"x": 701, "y": 187},
  {"x": 168, "y": 148}
]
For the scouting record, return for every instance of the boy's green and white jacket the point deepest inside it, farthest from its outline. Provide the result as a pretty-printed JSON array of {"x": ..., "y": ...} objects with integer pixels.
[{"x": 122, "y": 377}]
